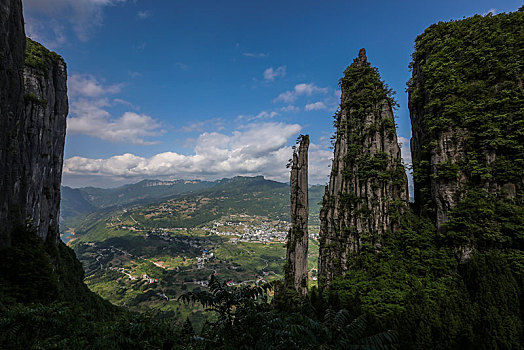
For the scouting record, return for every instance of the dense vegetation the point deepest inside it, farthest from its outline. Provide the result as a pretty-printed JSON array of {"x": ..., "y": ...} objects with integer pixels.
[
  {"x": 473, "y": 85},
  {"x": 38, "y": 57},
  {"x": 416, "y": 285},
  {"x": 460, "y": 286}
]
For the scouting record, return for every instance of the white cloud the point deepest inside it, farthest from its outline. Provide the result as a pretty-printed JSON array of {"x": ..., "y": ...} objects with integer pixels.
[
  {"x": 405, "y": 150},
  {"x": 256, "y": 149},
  {"x": 300, "y": 90},
  {"x": 89, "y": 118},
  {"x": 320, "y": 159},
  {"x": 254, "y": 54},
  {"x": 261, "y": 115},
  {"x": 315, "y": 106},
  {"x": 83, "y": 15},
  {"x": 253, "y": 150},
  {"x": 89, "y": 115},
  {"x": 492, "y": 11},
  {"x": 86, "y": 85},
  {"x": 270, "y": 74}
]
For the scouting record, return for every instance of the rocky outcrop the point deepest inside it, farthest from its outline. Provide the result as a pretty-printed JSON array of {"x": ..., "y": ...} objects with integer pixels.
[
  {"x": 367, "y": 189},
  {"x": 466, "y": 116},
  {"x": 46, "y": 109},
  {"x": 33, "y": 108},
  {"x": 439, "y": 181},
  {"x": 12, "y": 48},
  {"x": 297, "y": 239}
]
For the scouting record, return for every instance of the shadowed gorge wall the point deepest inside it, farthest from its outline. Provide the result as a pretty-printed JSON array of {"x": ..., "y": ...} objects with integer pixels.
[
  {"x": 33, "y": 110},
  {"x": 367, "y": 189},
  {"x": 12, "y": 48}
]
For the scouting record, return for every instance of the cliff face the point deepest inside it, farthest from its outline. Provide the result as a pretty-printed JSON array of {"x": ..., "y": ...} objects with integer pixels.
[
  {"x": 46, "y": 108},
  {"x": 466, "y": 99},
  {"x": 12, "y": 48},
  {"x": 297, "y": 240},
  {"x": 368, "y": 185},
  {"x": 33, "y": 110}
]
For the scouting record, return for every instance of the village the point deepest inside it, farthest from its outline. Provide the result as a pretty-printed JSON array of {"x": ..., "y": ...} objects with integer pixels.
[{"x": 241, "y": 228}]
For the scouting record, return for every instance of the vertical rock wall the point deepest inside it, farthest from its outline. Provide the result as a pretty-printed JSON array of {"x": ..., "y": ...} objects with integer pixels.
[
  {"x": 33, "y": 110},
  {"x": 46, "y": 108},
  {"x": 297, "y": 240},
  {"x": 12, "y": 48},
  {"x": 367, "y": 189},
  {"x": 465, "y": 99}
]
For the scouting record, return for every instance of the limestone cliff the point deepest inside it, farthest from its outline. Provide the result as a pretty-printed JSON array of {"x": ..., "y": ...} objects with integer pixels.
[
  {"x": 33, "y": 110},
  {"x": 46, "y": 109},
  {"x": 12, "y": 48},
  {"x": 465, "y": 98},
  {"x": 297, "y": 240},
  {"x": 367, "y": 189}
]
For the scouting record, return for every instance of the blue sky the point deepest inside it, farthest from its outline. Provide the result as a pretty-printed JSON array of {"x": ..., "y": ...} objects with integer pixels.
[{"x": 209, "y": 89}]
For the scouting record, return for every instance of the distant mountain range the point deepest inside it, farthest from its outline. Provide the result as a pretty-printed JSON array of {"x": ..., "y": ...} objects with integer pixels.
[{"x": 91, "y": 203}]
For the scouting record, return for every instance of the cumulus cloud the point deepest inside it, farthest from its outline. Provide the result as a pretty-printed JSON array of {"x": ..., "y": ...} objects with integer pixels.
[
  {"x": 86, "y": 85},
  {"x": 91, "y": 119},
  {"x": 315, "y": 106},
  {"x": 89, "y": 116},
  {"x": 270, "y": 74},
  {"x": 83, "y": 15},
  {"x": 256, "y": 149},
  {"x": 300, "y": 90},
  {"x": 259, "y": 148}
]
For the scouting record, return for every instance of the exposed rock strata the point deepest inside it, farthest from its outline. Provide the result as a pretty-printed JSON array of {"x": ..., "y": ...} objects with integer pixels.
[
  {"x": 33, "y": 110},
  {"x": 367, "y": 189},
  {"x": 297, "y": 240}
]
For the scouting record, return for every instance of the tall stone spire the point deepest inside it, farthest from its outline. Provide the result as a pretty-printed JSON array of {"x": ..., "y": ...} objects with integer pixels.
[
  {"x": 368, "y": 184},
  {"x": 297, "y": 242}
]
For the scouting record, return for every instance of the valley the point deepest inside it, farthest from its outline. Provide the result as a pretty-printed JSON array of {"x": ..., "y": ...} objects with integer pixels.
[{"x": 144, "y": 254}]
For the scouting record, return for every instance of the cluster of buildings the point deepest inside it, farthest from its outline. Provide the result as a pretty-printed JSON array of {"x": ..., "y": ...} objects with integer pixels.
[{"x": 261, "y": 230}]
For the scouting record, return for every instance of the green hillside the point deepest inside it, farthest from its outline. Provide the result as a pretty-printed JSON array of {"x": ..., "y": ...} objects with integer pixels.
[
  {"x": 242, "y": 222},
  {"x": 83, "y": 208}
]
